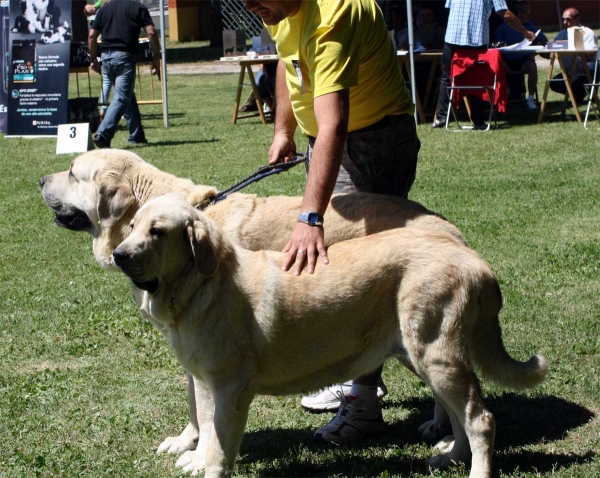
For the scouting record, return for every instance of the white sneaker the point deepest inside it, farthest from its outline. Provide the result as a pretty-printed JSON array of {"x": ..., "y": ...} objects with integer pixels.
[
  {"x": 353, "y": 421},
  {"x": 328, "y": 399},
  {"x": 531, "y": 104}
]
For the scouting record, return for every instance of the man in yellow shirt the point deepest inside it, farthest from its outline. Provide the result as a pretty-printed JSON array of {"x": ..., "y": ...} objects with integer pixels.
[{"x": 338, "y": 79}]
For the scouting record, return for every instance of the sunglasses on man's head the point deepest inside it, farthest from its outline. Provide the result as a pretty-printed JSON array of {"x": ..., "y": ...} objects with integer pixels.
[{"x": 567, "y": 19}]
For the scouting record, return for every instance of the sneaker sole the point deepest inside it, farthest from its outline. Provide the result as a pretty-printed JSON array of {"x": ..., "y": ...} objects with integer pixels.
[
  {"x": 333, "y": 407},
  {"x": 342, "y": 441}
]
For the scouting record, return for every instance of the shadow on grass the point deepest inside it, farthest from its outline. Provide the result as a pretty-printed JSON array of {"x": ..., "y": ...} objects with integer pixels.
[
  {"x": 175, "y": 143},
  {"x": 520, "y": 421}
]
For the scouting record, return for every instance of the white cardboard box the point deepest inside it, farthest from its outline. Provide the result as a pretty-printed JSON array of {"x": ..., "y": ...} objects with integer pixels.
[{"x": 575, "y": 38}]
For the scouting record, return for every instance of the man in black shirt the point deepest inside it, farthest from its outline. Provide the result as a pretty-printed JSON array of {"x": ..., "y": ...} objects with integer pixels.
[{"x": 119, "y": 22}]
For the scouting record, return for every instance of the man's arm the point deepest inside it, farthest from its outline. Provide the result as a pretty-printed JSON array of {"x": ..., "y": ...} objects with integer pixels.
[
  {"x": 283, "y": 148},
  {"x": 93, "y": 47},
  {"x": 92, "y": 8},
  {"x": 512, "y": 21},
  {"x": 331, "y": 112},
  {"x": 155, "y": 45}
]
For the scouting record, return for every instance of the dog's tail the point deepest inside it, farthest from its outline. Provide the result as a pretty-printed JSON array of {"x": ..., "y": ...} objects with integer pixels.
[{"x": 487, "y": 350}]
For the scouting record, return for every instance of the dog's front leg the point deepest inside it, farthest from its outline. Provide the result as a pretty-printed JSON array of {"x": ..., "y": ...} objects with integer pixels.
[
  {"x": 188, "y": 439},
  {"x": 231, "y": 414},
  {"x": 202, "y": 409}
]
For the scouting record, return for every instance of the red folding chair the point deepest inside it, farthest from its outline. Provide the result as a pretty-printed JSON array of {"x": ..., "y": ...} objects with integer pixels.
[{"x": 478, "y": 73}]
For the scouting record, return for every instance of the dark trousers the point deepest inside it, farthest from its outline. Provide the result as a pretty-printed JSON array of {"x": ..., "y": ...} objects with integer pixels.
[
  {"x": 577, "y": 85},
  {"x": 477, "y": 104}
]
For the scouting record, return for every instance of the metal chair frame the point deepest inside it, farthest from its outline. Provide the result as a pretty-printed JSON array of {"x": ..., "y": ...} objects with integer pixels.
[
  {"x": 491, "y": 91},
  {"x": 592, "y": 92}
]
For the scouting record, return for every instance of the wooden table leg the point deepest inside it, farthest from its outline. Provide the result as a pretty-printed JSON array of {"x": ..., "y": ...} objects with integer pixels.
[
  {"x": 238, "y": 94},
  {"x": 257, "y": 96},
  {"x": 546, "y": 88},
  {"x": 567, "y": 78}
]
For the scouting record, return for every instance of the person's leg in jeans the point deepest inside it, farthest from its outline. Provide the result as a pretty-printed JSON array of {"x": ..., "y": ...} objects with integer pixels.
[
  {"x": 106, "y": 87},
  {"x": 120, "y": 69},
  {"x": 385, "y": 162},
  {"x": 134, "y": 121}
]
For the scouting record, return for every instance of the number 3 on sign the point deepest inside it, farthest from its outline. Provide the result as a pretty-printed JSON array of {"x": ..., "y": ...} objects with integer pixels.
[{"x": 73, "y": 138}]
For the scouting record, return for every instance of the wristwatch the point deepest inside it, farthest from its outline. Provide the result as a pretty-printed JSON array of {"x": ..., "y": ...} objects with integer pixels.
[{"x": 311, "y": 218}]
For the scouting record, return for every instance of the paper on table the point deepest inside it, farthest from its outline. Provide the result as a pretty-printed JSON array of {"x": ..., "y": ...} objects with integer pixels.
[{"x": 519, "y": 46}]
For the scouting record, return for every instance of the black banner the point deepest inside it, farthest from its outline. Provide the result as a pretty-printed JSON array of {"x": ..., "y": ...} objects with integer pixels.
[
  {"x": 4, "y": 55},
  {"x": 38, "y": 70}
]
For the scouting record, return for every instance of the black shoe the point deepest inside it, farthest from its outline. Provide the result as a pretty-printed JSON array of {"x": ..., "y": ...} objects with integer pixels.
[
  {"x": 438, "y": 123},
  {"x": 133, "y": 142},
  {"x": 480, "y": 127},
  {"x": 100, "y": 142}
]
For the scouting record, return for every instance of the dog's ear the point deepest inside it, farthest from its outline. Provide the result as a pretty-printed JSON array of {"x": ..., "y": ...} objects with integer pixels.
[
  {"x": 205, "y": 256},
  {"x": 115, "y": 196}
]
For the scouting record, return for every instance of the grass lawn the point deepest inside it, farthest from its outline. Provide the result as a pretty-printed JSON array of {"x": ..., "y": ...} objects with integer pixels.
[{"x": 89, "y": 389}]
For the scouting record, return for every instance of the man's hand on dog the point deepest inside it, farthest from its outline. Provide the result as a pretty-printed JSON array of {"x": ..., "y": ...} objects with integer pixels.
[{"x": 306, "y": 244}]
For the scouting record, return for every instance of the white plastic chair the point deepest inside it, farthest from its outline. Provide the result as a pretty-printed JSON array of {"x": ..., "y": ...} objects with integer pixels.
[{"x": 592, "y": 92}]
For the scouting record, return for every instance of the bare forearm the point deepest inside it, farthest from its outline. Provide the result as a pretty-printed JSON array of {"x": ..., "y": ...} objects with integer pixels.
[
  {"x": 515, "y": 24},
  {"x": 285, "y": 121},
  {"x": 331, "y": 112},
  {"x": 324, "y": 168},
  {"x": 154, "y": 43}
]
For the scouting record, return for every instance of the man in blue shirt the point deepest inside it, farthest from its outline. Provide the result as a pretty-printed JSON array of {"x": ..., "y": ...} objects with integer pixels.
[
  {"x": 521, "y": 61},
  {"x": 469, "y": 28}
]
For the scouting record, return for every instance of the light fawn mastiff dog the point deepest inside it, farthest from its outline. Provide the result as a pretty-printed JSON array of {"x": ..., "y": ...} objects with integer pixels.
[
  {"x": 241, "y": 326},
  {"x": 103, "y": 189}
]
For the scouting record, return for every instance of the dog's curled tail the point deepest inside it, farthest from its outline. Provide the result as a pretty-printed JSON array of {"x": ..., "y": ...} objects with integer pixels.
[{"x": 489, "y": 354}]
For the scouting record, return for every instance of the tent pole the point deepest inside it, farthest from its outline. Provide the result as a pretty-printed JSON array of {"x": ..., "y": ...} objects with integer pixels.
[
  {"x": 411, "y": 51},
  {"x": 164, "y": 64}
]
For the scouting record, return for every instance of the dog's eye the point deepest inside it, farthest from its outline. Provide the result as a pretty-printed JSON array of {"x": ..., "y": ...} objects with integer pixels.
[{"x": 155, "y": 232}]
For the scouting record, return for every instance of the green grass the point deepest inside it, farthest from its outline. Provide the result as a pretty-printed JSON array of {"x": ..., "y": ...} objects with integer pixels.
[{"x": 89, "y": 389}]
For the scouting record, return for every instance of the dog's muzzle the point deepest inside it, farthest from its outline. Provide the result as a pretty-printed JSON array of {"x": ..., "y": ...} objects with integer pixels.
[{"x": 123, "y": 260}]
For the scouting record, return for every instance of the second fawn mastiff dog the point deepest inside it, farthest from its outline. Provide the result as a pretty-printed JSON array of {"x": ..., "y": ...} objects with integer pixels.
[
  {"x": 241, "y": 326},
  {"x": 102, "y": 190}
]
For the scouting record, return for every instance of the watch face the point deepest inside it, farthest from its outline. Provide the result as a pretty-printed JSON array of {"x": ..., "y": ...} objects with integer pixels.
[{"x": 313, "y": 218}]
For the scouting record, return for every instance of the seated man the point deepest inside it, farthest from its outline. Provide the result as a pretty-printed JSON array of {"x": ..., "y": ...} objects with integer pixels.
[
  {"x": 428, "y": 33},
  {"x": 265, "y": 82},
  {"x": 571, "y": 18},
  {"x": 521, "y": 62}
]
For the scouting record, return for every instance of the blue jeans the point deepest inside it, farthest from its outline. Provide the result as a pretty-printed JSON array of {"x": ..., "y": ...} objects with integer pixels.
[
  {"x": 106, "y": 87},
  {"x": 119, "y": 68}
]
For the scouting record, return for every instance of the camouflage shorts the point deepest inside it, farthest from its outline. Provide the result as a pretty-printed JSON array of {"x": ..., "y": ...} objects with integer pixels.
[{"x": 381, "y": 158}]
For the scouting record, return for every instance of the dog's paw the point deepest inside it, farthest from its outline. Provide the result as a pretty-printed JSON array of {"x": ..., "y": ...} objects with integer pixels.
[
  {"x": 191, "y": 462},
  {"x": 446, "y": 444},
  {"x": 440, "y": 462},
  {"x": 433, "y": 432},
  {"x": 176, "y": 445}
]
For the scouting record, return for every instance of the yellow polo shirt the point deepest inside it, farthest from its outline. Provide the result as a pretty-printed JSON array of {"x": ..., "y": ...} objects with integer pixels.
[{"x": 332, "y": 45}]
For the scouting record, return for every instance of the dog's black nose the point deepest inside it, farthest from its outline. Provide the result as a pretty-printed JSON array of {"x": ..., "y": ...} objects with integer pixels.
[
  {"x": 121, "y": 256},
  {"x": 42, "y": 181}
]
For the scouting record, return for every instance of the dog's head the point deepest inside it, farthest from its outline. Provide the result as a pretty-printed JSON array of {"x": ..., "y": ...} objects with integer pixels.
[
  {"x": 167, "y": 236},
  {"x": 95, "y": 195}
]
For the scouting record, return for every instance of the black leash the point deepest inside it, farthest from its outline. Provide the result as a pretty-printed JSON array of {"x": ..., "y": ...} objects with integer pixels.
[{"x": 260, "y": 173}]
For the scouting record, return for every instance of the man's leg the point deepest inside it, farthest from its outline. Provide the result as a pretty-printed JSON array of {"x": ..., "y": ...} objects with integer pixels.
[
  {"x": 382, "y": 161},
  {"x": 120, "y": 68},
  {"x": 134, "y": 121},
  {"x": 443, "y": 97}
]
